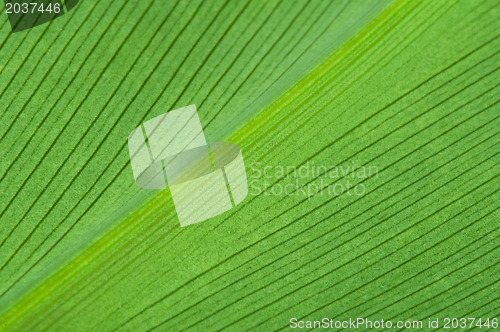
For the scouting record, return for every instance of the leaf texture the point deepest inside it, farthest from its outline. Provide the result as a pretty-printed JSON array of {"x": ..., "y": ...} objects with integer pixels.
[{"x": 408, "y": 87}]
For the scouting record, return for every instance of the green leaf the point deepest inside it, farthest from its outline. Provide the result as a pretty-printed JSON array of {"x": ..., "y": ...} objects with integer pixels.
[{"x": 406, "y": 91}]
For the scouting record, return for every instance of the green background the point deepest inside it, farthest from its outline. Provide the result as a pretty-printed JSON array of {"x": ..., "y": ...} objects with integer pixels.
[{"x": 411, "y": 87}]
